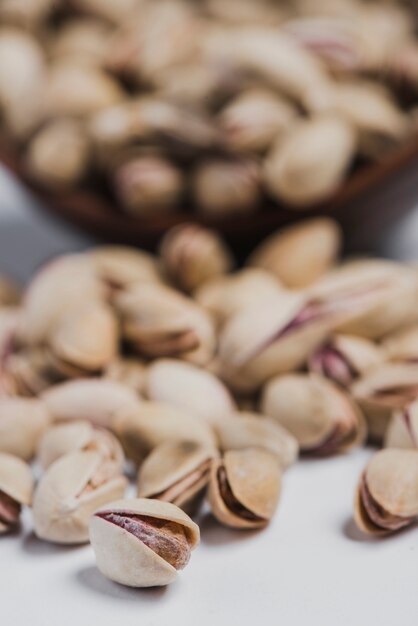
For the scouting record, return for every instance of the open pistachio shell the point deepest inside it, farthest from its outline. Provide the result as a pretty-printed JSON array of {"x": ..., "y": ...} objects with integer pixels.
[
  {"x": 402, "y": 430},
  {"x": 128, "y": 371},
  {"x": 69, "y": 437},
  {"x": 97, "y": 400},
  {"x": 300, "y": 254},
  {"x": 324, "y": 419},
  {"x": 119, "y": 266},
  {"x": 70, "y": 491},
  {"x": 244, "y": 488},
  {"x": 383, "y": 390},
  {"x": 142, "y": 543},
  {"x": 151, "y": 424},
  {"x": 183, "y": 386},
  {"x": 402, "y": 346},
  {"x": 16, "y": 486},
  {"x": 22, "y": 424},
  {"x": 177, "y": 472},
  {"x": 387, "y": 495},
  {"x": 253, "y": 430}
]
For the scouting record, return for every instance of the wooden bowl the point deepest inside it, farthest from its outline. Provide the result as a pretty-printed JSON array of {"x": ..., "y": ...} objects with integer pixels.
[{"x": 365, "y": 205}]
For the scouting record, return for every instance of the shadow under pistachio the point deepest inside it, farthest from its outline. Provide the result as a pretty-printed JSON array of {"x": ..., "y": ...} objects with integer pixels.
[
  {"x": 351, "y": 532},
  {"x": 215, "y": 534},
  {"x": 34, "y": 546},
  {"x": 91, "y": 578}
]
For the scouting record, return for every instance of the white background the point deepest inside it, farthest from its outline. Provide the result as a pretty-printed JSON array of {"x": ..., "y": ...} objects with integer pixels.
[{"x": 309, "y": 567}]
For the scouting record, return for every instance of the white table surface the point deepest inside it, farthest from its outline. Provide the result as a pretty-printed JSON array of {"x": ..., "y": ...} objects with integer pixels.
[{"x": 309, "y": 567}]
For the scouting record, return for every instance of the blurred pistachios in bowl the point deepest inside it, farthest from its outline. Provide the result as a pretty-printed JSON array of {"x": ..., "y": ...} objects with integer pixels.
[{"x": 161, "y": 108}]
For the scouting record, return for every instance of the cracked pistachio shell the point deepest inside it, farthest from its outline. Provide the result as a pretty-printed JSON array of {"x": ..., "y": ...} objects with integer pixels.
[
  {"x": 28, "y": 371},
  {"x": 9, "y": 292},
  {"x": 65, "y": 438},
  {"x": 57, "y": 286},
  {"x": 177, "y": 472},
  {"x": 300, "y": 254},
  {"x": 192, "y": 255},
  {"x": 57, "y": 156},
  {"x": 70, "y": 491},
  {"x": 381, "y": 296},
  {"x": 142, "y": 542},
  {"x": 345, "y": 358},
  {"x": 253, "y": 430},
  {"x": 384, "y": 389},
  {"x": 97, "y": 400},
  {"x": 22, "y": 82},
  {"x": 160, "y": 322},
  {"x": 189, "y": 388},
  {"x": 131, "y": 372},
  {"x": 153, "y": 423},
  {"x": 16, "y": 487},
  {"x": 244, "y": 488},
  {"x": 227, "y": 187},
  {"x": 86, "y": 336},
  {"x": 121, "y": 266},
  {"x": 273, "y": 337},
  {"x": 402, "y": 431},
  {"x": 387, "y": 496},
  {"x": 225, "y": 296},
  {"x": 309, "y": 163},
  {"x": 253, "y": 120},
  {"x": 402, "y": 346},
  {"x": 323, "y": 418},
  {"x": 79, "y": 90},
  {"x": 22, "y": 423}
]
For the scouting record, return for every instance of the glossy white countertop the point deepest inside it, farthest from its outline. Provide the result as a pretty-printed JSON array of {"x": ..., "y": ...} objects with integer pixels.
[{"x": 310, "y": 567}]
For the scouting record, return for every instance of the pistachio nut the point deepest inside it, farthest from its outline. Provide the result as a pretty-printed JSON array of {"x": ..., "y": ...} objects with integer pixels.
[
  {"x": 402, "y": 431},
  {"x": 159, "y": 321},
  {"x": 387, "y": 495},
  {"x": 324, "y": 419},
  {"x": 402, "y": 346},
  {"x": 120, "y": 266},
  {"x": 16, "y": 486},
  {"x": 70, "y": 491},
  {"x": 189, "y": 388},
  {"x": 345, "y": 358},
  {"x": 244, "y": 488},
  {"x": 152, "y": 423},
  {"x": 85, "y": 39},
  {"x": 192, "y": 255},
  {"x": 253, "y": 120},
  {"x": 58, "y": 154},
  {"x": 148, "y": 185},
  {"x": 64, "y": 438},
  {"x": 383, "y": 390},
  {"x": 225, "y": 296},
  {"x": 27, "y": 373},
  {"x": 22, "y": 423},
  {"x": 96, "y": 400},
  {"x": 300, "y": 254},
  {"x": 177, "y": 472},
  {"x": 131, "y": 372},
  {"x": 299, "y": 170},
  {"x": 225, "y": 188},
  {"x": 142, "y": 543}
]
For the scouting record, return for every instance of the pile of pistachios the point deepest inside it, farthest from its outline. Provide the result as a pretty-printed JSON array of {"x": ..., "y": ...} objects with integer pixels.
[
  {"x": 204, "y": 380},
  {"x": 222, "y": 106}
]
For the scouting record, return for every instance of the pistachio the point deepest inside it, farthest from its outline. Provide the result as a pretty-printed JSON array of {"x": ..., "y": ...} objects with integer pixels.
[
  {"x": 131, "y": 372},
  {"x": 106, "y": 9},
  {"x": 22, "y": 423},
  {"x": 148, "y": 185},
  {"x": 142, "y": 543},
  {"x": 177, "y": 472},
  {"x": 253, "y": 430},
  {"x": 70, "y": 491},
  {"x": 159, "y": 321},
  {"x": 300, "y": 254},
  {"x": 324, "y": 419},
  {"x": 387, "y": 495},
  {"x": 28, "y": 372},
  {"x": 97, "y": 400},
  {"x": 402, "y": 346},
  {"x": 153, "y": 423},
  {"x": 299, "y": 169},
  {"x": 192, "y": 255},
  {"x": 16, "y": 485},
  {"x": 244, "y": 488},
  {"x": 84, "y": 39},
  {"x": 227, "y": 187},
  {"x": 120, "y": 267},
  {"x": 65, "y": 438},
  {"x": 57, "y": 156},
  {"x": 25, "y": 13},
  {"x": 384, "y": 389},
  {"x": 402, "y": 431},
  {"x": 184, "y": 386},
  {"x": 225, "y": 296},
  {"x": 345, "y": 358}
]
